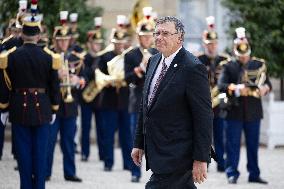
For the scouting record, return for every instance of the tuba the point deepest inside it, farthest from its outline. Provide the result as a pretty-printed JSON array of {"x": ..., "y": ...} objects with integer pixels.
[{"x": 116, "y": 76}]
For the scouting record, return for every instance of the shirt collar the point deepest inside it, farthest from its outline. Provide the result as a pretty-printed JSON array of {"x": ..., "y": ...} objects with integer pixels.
[{"x": 170, "y": 58}]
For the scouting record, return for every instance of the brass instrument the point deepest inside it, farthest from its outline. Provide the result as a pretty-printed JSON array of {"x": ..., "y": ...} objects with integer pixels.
[
  {"x": 216, "y": 96},
  {"x": 146, "y": 55},
  {"x": 259, "y": 77},
  {"x": 66, "y": 84},
  {"x": 115, "y": 77}
]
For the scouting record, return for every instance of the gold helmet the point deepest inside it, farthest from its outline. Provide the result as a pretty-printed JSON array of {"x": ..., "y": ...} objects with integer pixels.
[
  {"x": 96, "y": 35},
  {"x": 210, "y": 35},
  {"x": 241, "y": 44},
  {"x": 119, "y": 34},
  {"x": 62, "y": 32},
  {"x": 147, "y": 25}
]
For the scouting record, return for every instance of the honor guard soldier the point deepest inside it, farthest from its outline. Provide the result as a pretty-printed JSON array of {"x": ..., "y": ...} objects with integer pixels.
[
  {"x": 114, "y": 102},
  {"x": 15, "y": 26},
  {"x": 14, "y": 40},
  {"x": 214, "y": 63},
  {"x": 44, "y": 40},
  {"x": 30, "y": 98},
  {"x": 73, "y": 24},
  {"x": 88, "y": 102},
  {"x": 135, "y": 66},
  {"x": 70, "y": 76},
  {"x": 245, "y": 81}
]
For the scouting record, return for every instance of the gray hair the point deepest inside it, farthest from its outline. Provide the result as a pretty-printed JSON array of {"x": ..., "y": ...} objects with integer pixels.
[{"x": 178, "y": 24}]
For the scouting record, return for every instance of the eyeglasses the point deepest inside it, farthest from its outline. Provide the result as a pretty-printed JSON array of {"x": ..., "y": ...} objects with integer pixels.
[{"x": 164, "y": 34}]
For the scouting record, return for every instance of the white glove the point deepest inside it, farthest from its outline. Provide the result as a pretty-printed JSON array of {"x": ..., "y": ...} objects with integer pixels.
[
  {"x": 238, "y": 89},
  {"x": 4, "y": 117},
  {"x": 52, "y": 119}
]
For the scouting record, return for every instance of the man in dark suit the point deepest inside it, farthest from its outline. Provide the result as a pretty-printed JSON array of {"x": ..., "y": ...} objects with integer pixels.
[
  {"x": 244, "y": 81},
  {"x": 135, "y": 62},
  {"x": 175, "y": 119},
  {"x": 31, "y": 99}
]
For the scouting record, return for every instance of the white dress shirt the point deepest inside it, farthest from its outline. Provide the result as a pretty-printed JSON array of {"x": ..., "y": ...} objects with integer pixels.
[{"x": 168, "y": 62}]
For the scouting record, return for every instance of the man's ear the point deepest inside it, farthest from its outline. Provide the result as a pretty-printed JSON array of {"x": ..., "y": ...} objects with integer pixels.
[{"x": 179, "y": 40}]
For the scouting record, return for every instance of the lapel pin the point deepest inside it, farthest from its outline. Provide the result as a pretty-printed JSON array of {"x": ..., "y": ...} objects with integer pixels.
[{"x": 175, "y": 65}]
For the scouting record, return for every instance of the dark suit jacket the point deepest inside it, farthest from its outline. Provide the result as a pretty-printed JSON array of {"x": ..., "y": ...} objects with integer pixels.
[
  {"x": 242, "y": 108},
  {"x": 177, "y": 128},
  {"x": 133, "y": 59}
]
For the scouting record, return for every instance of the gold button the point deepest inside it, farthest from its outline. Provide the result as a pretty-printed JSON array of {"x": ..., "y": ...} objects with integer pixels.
[
  {"x": 24, "y": 104},
  {"x": 25, "y": 93},
  {"x": 37, "y": 104},
  {"x": 36, "y": 93}
]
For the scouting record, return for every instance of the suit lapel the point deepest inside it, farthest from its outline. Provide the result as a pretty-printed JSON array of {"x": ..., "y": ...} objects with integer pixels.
[
  {"x": 152, "y": 69},
  {"x": 175, "y": 65}
]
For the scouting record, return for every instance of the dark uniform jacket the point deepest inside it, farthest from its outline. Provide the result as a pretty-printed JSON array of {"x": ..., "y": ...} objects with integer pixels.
[
  {"x": 112, "y": 98},
  {"x": 70, "y": 109},
  {"x": 11, "y": 42},
  {"x": 34, "y": 82},
  {"x": 177, "y": 128},
  {"x": 241, "y": 108},
  {"x": 91, "y": 63},
  {"x": 214, "y": 67},
  {"x": 133, "y": 59}
]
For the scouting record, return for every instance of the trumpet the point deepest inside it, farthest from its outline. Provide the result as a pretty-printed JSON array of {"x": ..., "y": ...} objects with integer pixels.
[{"x": 66, "y": 84}]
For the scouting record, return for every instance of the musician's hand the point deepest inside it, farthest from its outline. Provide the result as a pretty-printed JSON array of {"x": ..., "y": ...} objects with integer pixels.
[
  {"x": 4, "y": 117},
  {"x": 264, "y": 89},
  {"x": 74, "y": 79},
  {"x": 82, "y": 82},
  {"x": 244, "y": 91},
  {"x": 62, "y": 73},
  {"x": 232, "y": 87},
  {"x": 138, "y": 71}
]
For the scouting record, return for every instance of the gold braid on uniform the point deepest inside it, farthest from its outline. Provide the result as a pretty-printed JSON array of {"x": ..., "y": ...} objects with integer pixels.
[
  {"x": 7, "y": 39},
  {"x": 56, "y": 59},
  {"x": 7, "y": 80},
  {"x": 4, "y": 65}
]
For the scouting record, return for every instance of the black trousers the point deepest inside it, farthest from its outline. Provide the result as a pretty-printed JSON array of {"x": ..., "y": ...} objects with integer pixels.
[{"x": 181, "y": 180}]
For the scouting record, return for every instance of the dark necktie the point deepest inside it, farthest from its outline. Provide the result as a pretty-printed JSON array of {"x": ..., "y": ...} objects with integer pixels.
[{"x": 160, "y": 78}]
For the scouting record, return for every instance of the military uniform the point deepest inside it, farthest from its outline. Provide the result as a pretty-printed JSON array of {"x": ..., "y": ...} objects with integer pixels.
[
  {"x": 91, "y": 62},
  {"x": 214, "y": 63},
  {"x": 31, "y": 102},
  {"x": 66, "y": 117},
  {"x": 244, "y": 110},
  {"x": 6, "y": 44},
  {"x": 114, "y": 103},
  {"x": 214, "y": 66},
  {"x": 11, "y": 42}
]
